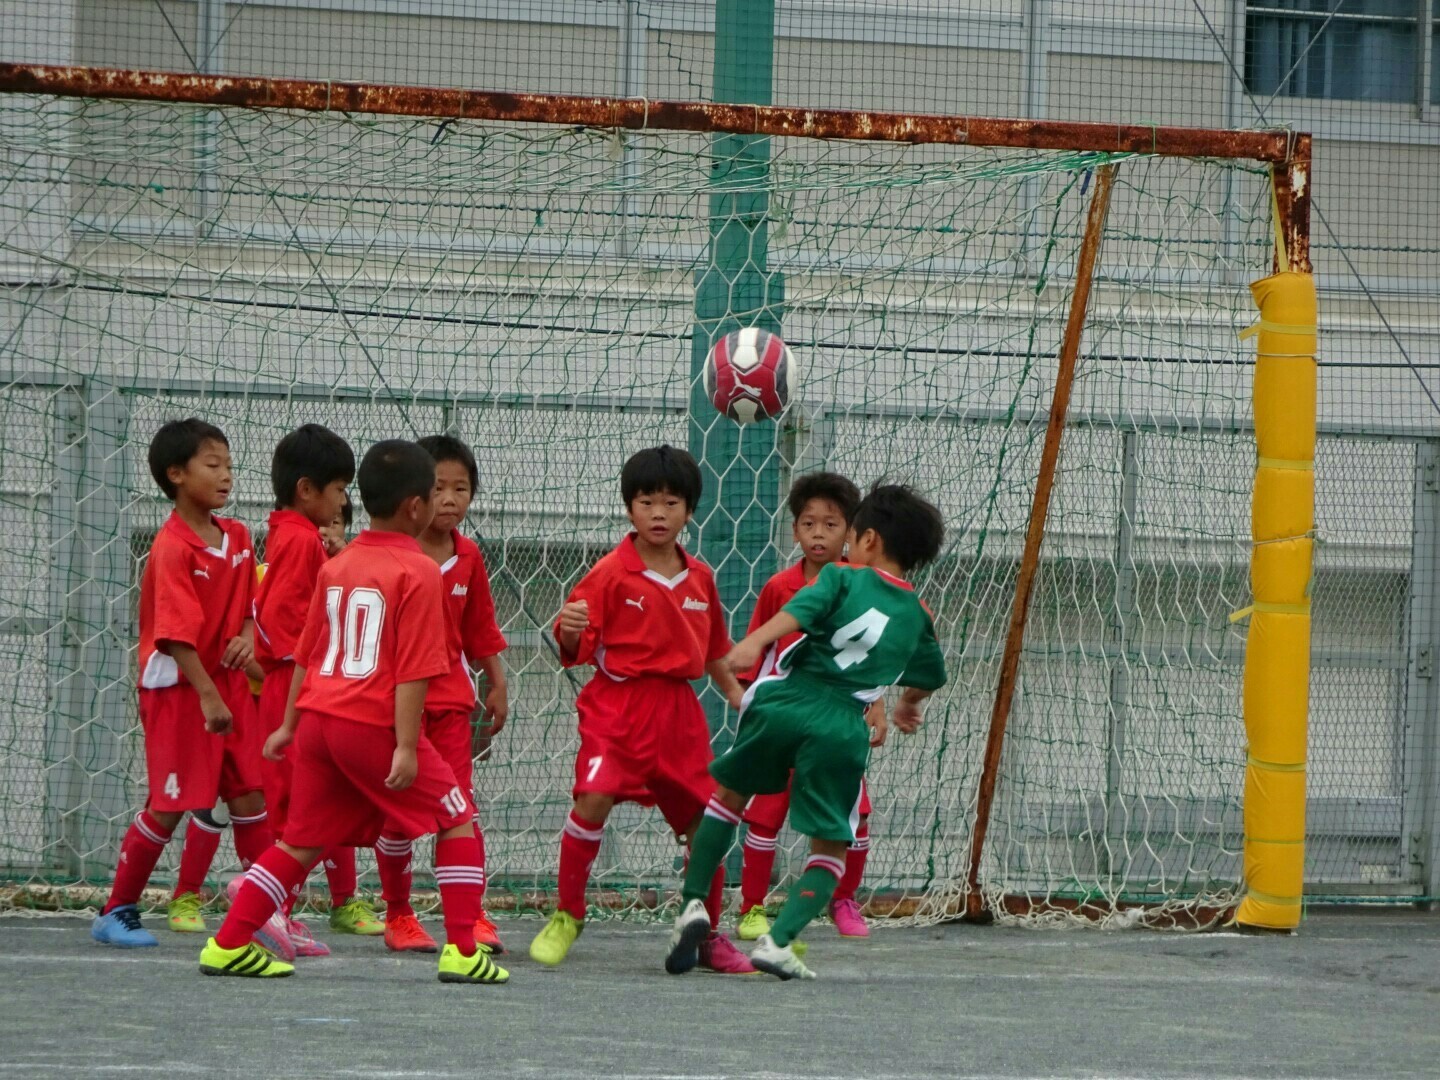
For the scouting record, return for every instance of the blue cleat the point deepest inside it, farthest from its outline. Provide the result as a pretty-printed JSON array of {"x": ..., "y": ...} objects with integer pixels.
[{"x": 121, "y": 927}]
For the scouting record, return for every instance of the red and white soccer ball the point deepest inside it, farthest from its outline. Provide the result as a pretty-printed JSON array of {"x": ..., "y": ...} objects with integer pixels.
[{"x": 749, "y": 375}]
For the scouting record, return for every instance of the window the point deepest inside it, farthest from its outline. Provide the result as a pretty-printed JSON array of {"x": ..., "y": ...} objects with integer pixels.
[{"x": 1359, "y": 50}]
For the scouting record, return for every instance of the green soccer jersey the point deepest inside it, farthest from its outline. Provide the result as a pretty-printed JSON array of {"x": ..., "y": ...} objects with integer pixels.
[{"x": 865, "y": 631}]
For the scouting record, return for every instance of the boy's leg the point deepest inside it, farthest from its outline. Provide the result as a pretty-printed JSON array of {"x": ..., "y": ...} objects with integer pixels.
[
  {"x": 451, "y": 735},
  {"x": 393, "y": 857},
  {"x": 763, "y": 818},
  {"x": 811, "y": 893},
  {"x": 579, "y": 845},
  {"x": 269, "y": 883},
  {"x": 710, "y": 842},
  {"x": 182, "y": 764},
  {"x": 202, "y": 841}
]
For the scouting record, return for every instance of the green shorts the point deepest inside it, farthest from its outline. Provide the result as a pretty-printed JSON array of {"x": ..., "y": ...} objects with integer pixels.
[{"x": 790, "y": 724}]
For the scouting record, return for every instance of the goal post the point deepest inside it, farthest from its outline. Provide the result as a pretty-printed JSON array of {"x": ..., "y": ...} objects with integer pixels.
[{"x": 521, "y": 270}]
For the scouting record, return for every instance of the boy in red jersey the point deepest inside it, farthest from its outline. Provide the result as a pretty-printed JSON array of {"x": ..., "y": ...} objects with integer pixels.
[
  {"x": 362, "y": 667},
  {"x": 309, "y": 472},
  {"x": 649, "y": 618},
  {"x": 474, "y": 640},
  {"x": 201, "y": 738},
  {"x": 822, "y": 505}
]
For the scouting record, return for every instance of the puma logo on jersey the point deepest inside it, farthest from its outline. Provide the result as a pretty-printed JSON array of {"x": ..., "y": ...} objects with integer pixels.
[
  {"x": 460, "y": 590},
  {"x": 639, "y": 602},
  {"x": 691, "y": 604},
  {"x": 201, "y": 573}
]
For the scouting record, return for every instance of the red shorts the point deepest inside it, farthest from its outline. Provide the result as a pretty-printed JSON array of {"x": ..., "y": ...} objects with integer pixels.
[
  {"x": 275, "y": 775},
  {"x": 769, "y": 811},
  {"x": 645, "y": 740},
  {"x": 186, "y": 766},
  {"x": 338, "y": 794},
  {"x": 449, "y": 733}
]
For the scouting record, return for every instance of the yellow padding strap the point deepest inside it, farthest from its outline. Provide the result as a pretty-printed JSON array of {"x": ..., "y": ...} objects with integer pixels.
[
  {"x": 1285, "y": 463},
  {"x": 1271, "y": 766},
  {"x": 1273, "y": 843},
  {"x": 1299, "y": 329},
  {"x": 1263, "y": 608},
  {"x": 1267, "y": 898}
]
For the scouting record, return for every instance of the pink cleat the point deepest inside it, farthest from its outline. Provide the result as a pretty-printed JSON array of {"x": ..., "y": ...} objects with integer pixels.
[
  {"x": 718, "y": 954},
  {"x": 845, "y": 914},
  {"x": 304, "y": 941},
  {"x": 273, "y": 936}
]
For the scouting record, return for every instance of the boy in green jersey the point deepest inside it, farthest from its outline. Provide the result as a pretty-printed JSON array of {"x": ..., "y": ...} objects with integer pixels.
[{"x": 864, "y": 631}]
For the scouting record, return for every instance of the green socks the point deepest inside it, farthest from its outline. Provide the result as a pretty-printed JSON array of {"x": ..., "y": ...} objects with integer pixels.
[
  {"x": 708, "y": 849},
  {"x": 808, "y": 897}
]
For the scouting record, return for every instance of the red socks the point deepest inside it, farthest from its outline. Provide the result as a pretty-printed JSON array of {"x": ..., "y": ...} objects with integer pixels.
[
  {"x": 202, "y": 840},
  {"x": 854, "y": 864},
  {"x": 252, "y": 837},
  {"x": 393, "y": 860},
  {"x": 757, "y": 867},
  {"x": 579, "y": 844},
  {"x": 268, "y": 887},
  {"x": 461, "y": 878},
  {"x": 139, "y": 852},
  {"x": 480, "y": 839},
  {"x": 340, "y": 874}
]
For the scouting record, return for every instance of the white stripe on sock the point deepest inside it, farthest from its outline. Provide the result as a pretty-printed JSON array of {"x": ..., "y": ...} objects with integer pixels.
[
  {"x": 236, "y": 819},
  {"x": 826, "y": 863},
  {"x": 268, "y": 883},
  {"x": 398, "y": 848},
  {"x": 149, "y": 833},
  {"x": 581, "y": 832},
  {"x": 719, "y": 810},
  {"x": 205, "y": 826},
  {"x": 760, "y": 844}
]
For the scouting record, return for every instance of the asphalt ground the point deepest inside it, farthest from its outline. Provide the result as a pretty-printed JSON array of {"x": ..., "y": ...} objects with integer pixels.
[{"x": 1355, "y": 993}]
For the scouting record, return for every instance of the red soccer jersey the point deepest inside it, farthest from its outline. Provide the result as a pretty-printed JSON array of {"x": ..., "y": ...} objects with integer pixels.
[
  {"x": 193, "y": 594},
  {"x": 643, "y": 624},
  {"x": 778, "y": 591},
  {"x": 371, "y": 626},
  {"x": 470, "y": 628},
  {"x": 294, "y": 554}
]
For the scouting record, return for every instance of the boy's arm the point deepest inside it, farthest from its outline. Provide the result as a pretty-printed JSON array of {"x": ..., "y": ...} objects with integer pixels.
[
  {"x": 725, "y": 681},
  {"x": 483, "y": 643},
  {"x": 747, "y": 654},
  {"x": 878, "y": 723},
  {"x": 409, "y": 705},
  {"x": 578, "y": 626},
  {"x": 282, "y": 736},
  {"x": 910, "y": 711},
  {"x": 212, "y": 705},
  {"x": 495, "y": 705},
  {"x": 240, "y": 650},
  {"x": 766, "y": 605}
]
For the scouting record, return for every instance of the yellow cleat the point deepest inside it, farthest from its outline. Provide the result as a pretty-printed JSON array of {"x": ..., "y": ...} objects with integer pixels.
[
  {"x": 184, "y": 912},
  {"x": 752, "y": 924},
  {"x": 456, "y": 967},
  {"x": 356, "y": 917},
  {"x": 249, "y": 961},
  {"x": 553, "y": 942}
]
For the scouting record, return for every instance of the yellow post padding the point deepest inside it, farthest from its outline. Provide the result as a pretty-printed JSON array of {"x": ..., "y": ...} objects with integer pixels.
[{"x": 1277, "y": 647}]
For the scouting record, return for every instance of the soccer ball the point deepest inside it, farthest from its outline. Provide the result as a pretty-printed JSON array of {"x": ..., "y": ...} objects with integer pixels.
[{"x": 748, "y": 375}]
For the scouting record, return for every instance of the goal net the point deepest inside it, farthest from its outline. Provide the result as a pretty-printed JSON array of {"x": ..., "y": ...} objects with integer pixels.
[{"x": 533, "y": 288}]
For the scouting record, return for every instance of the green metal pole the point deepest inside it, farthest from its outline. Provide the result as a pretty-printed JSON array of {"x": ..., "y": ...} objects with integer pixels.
[{"x": 734, "y": 289}]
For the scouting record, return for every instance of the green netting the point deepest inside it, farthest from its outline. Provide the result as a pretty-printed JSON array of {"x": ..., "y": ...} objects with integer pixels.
[{"x": 533, "y": 289}]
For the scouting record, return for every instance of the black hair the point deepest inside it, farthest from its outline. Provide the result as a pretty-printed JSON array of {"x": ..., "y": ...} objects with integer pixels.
[
  {"x": 824, "y": 485},
  {"x": 910, "y": 526},
  {"x": 310, "y": 452},
  {"x": 449, "y": 448},
  {"x": 392, "y": 471},
  {"x": 176, "y": 443},
  {"x": 347, "y": 512},
  {"x": 661, "y": 468}
]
